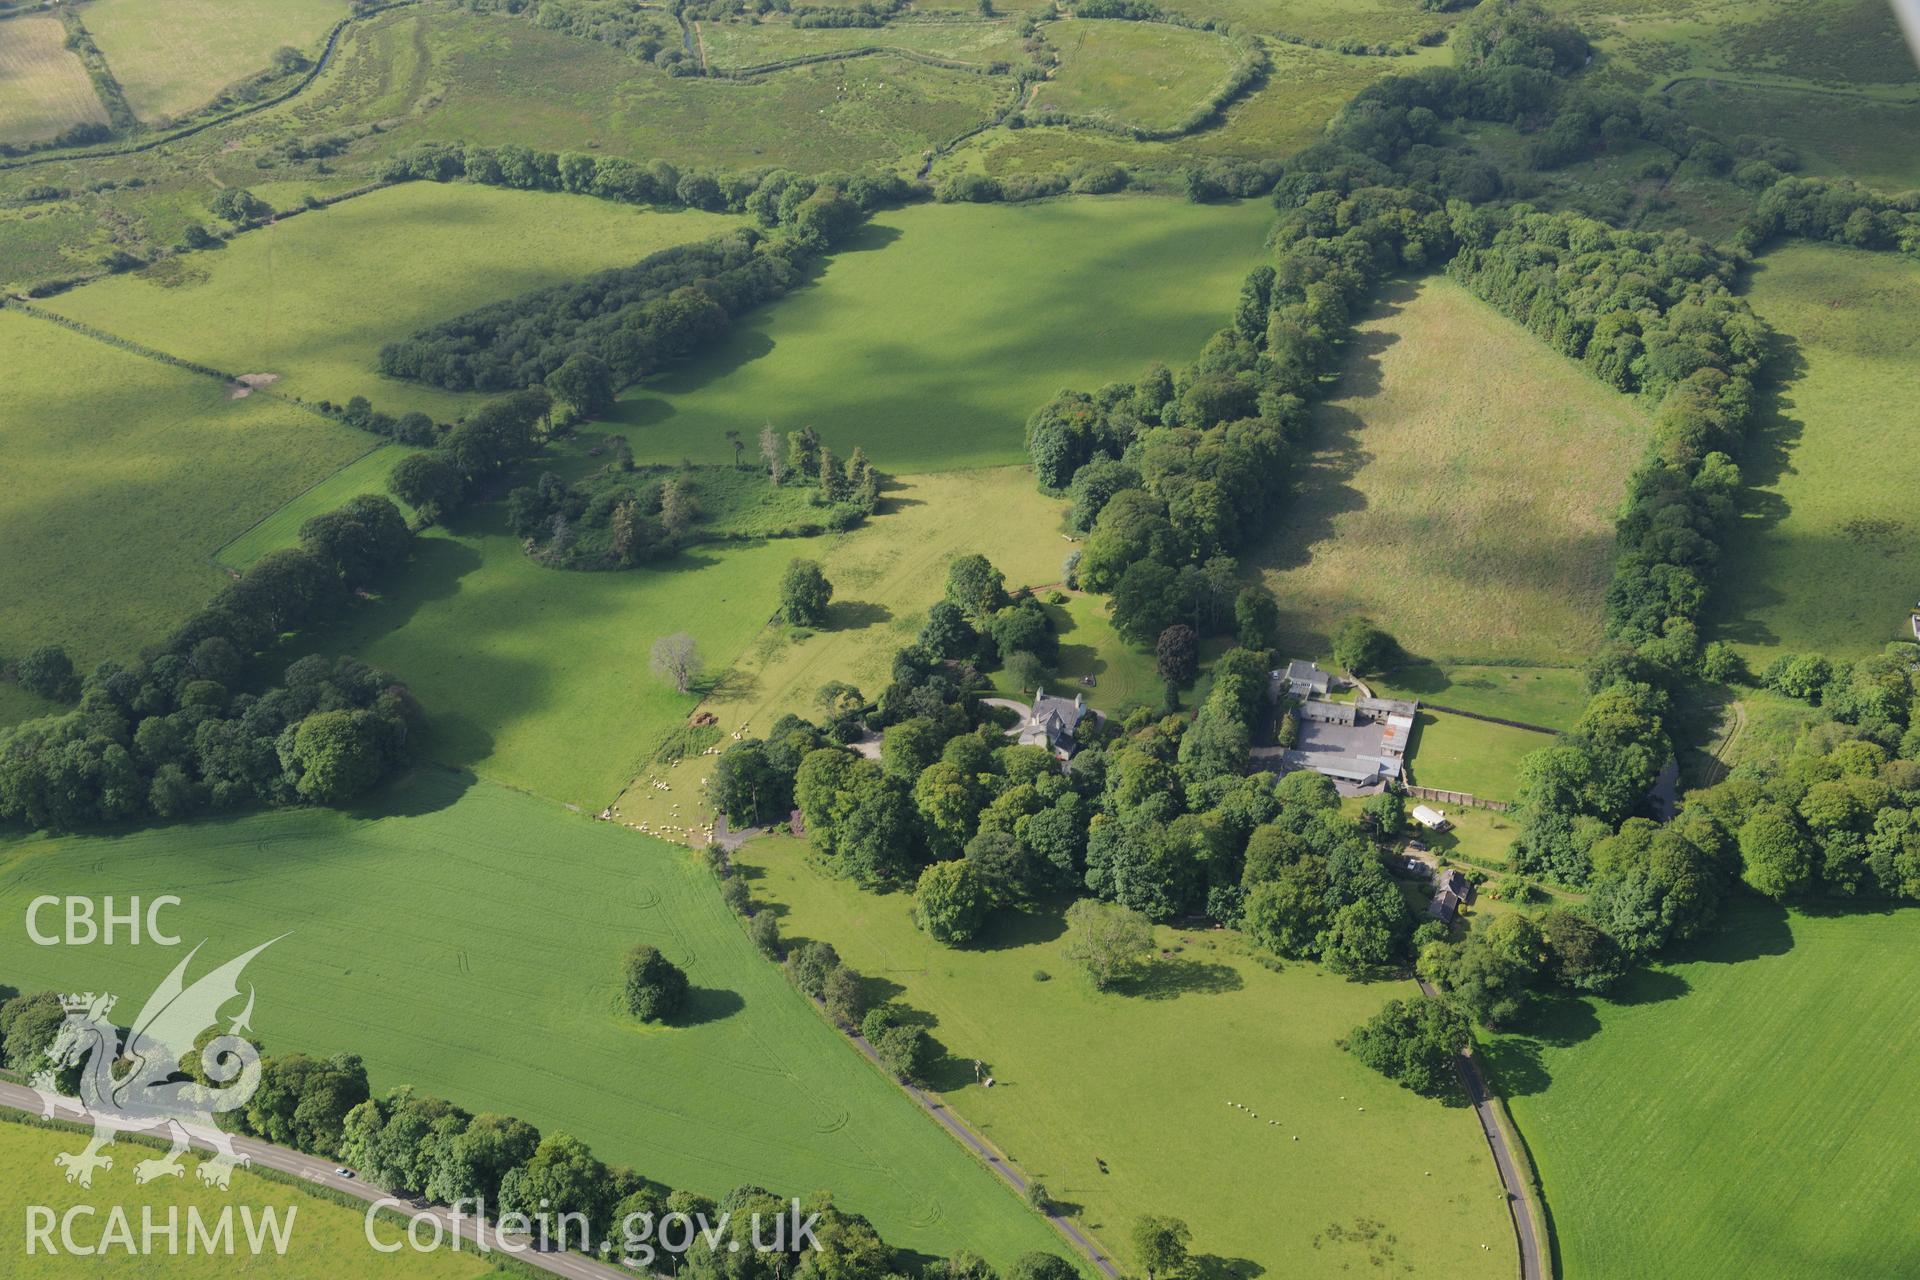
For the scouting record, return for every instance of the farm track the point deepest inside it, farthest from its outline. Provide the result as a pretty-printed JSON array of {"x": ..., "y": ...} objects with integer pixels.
[
  {"x": 298, "y": 1164},
  {"x": 1526, "y": 1231}
]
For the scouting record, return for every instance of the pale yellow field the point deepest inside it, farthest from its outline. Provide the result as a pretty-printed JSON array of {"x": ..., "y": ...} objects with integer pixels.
[
  {"x": 1463, "y": 490},
  {"x": 171, "y": 56},
  {"x": 43, "y": 87}
]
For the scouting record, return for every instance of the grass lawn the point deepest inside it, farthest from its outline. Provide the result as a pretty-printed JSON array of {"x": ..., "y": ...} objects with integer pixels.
[
  {"x": 1462, "y": 491},
  {"x": 1747, "y": 1111},
  {"x": 938, "y": 330},
  {"x": 325, "y": 1236},
  {"x": 1148, "y": 74},
  {"x": 43, "y": 86},
  {"x": 1457, "y": 753},
  {"x": 467, "y": 939},
  {"x": 1478, "y": 837},
  {"x": 1142, "y": 1082},
  {"x": 1550, "y": 696},
  {"x": 1827, "y": 556},
  {"x": 171, "y": 56},
  {"x": 123, "y": 477},
  {"x": 313, "y": 298}
]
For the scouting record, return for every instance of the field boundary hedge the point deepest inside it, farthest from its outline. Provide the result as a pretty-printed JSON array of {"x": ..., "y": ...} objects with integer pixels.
[{"x": 844, "y": 55}]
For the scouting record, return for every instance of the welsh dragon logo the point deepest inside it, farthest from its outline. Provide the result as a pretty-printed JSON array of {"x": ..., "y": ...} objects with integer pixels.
[{"x": 143, "y": 1083}]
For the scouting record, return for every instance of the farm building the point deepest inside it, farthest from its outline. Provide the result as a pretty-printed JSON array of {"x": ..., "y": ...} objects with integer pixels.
[
  {"x": 1431, "y": 818},
  {"x": 1361, "y": 743},
  {"x": 1305, "y": 680}
]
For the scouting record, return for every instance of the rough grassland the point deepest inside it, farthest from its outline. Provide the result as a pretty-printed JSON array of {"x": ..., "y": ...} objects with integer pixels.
[
  {"x": 43, "y": 87},
  {"x": 123, "y": 476},
  {"x": 467, "y": 939},
  {"x": 933, "y": 335},
  {"x": 1828, "y": 556},
  {"x": 743, "y": 44},
  {"x": 327, "y": 1239},
  {"x": 1876, "y": 142},
  {"x": 1748, "y": 1112},
  {"x": 1462, "y": 493},
  {"x": 313, "y": 298},
  {"x": 171, "y": 56},
  {"x": 1329, "y": 21},
  {"x": 1137, "y": 73},
  {"x": 1142, "y": 1080}
]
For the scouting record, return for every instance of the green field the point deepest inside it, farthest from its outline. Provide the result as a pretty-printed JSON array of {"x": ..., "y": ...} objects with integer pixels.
[
  {"x": 937, "y": 330},
  {"x": 1462, "y": 490},
  {"x": 43, "y": 87},
  {"x": 313, "y": 298},
  {"x": 1644, "y": 44},
  {"x": 1745, "y": 1113},
  {"x": 744, "y": 44},
  {"x": 365, "y": 474},
  {"x": 1549, "y": 696},
  {"x": 467, "y": 939},
  {"x": 1457, "y": 753},
  {"x": 1827, "y": 557},
  {"x": 124, "y": 476},
  {"x": 1148, "y": 74},
  {"x": 171, "y": 56},
  {"x": 1142, "y": 1082},
  {"x": 1325, "y": 21},
  {"x": 326, "y": 1237},
  {"x": 1872, "y": 139}
]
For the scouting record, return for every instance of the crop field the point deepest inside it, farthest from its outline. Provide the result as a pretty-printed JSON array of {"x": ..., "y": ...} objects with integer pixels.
[
  {"x": 510, "y": 82},
  {"x": 937, "y": 330},
  {"x": 1149, "y": 74},
  {"x": 1120, "y": 1102},
  {"x": 115, "y": 552},
  {"x": 744, "y": 44},
  {"x": 1874, "y": 140},
  {"x": 43, "y": 87},
  {"x": 1462, "y": 490},
  {"x": 324, "y": 1234},
  {"x": 313, "y": 298},
  {"x": 467, "y": 939},
  {"x": 1458, "y": 753},
  {"x": 171, "y": 56},
  {"x": 1747, "y": 1110},
  {"x": 1828, "y": 558},
  {"x": 1552, "y": 697}
]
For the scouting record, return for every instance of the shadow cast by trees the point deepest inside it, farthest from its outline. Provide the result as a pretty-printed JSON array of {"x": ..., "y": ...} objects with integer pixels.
[
  {"x": 708, "y": 1004},
  {"x": 856, "y": 615},
  {"x": 1211, "y": 1266},
  {"x": 1169, "y": 977},
  {"x": 425, "y": 789},
  {"x": 1011, "y": 930}
]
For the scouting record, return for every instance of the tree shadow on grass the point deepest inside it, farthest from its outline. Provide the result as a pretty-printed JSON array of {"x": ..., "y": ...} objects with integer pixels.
[
  {"x": 426, "y": 789},
  {"x": 1515, "y": 1066},
  {"x": 1750, "y": 929},
  {"x": 1211, "y": 1266},
  {"x": 1011, "y": 930},
  {"x": 1649, "y": 986},
  {"x": 708, "y": 1004},
  {"x": 1170, "y": 977},
  {"x": 855, "y": 615}
]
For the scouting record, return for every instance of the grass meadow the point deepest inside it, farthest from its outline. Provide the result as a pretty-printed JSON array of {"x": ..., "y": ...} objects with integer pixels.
[
  {"x": 1552, "y": 697},
  {"x": 1461, "y": 493},
  {"x": 467, "y": 939},
  {"x": 937, "y": 330},
  {"x": 43, "y": 86},
  {"x": 313, "y": 298},
  {"x": 1743, "y": 1113},
  {"x": 124, "y": 476},
  {"x": 1148, "y": 74},
  {"x": 1827, "y": 556},
  {"x": 365, "y": 474},
  {"x": 1826, "y": 43},
  {"x": 1119, "y": 1102},
  {"x": 1874, "y": 140},
  {"x": 1328, "y": 21},
  {"x": 326, "y": 1236},
  {"x": 747, "y": 44},
  {"x": 171, "y": 56}
]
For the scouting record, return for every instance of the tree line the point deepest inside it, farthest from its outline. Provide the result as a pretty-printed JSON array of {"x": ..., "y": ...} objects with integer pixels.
[{"x": 180, "y": 731}]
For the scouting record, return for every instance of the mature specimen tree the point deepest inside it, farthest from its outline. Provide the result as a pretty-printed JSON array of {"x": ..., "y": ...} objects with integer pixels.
[
  {"x": 1384, "y": 814},
  {"x": 809, "y": 964},
  {"x": 804, "y": 594},
  {"x": 903, "y": 1046},
  {"x": 746, "y": 787},
  {"x": 1106, "y": 940},
  {"x": 1580, "y": 953},
  {"x": 948, "y": 633},
  {"x": 772, "y": 452},
  {"x": 950, "y": 903},
  {"x": 676, "y": 658},
  {"x": 1026, "y": 670},
  {"x": 584, "y": 381},
  {"x": 1176, "y": 655},
  {"x": 1777, "y": 856},
  {"x": 48, "y": 672},
  {"x": 1256, "y": 616},
  {"x": 337, "y": 755},
  {"x": 1415, "y": 1042},
  {"x": 1360, "y": 647},
  {"x": 430, "y": 483},
  {"x": 977, "y": 588},
  {"x": 654, "y": 987},
  {"x": 1161, "y": 1245},
  {"x": 845, "y": 995}
]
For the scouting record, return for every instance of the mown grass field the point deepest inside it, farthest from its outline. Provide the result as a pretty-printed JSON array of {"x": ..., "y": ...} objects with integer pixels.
[
  {"x": 467, "y": 939},
  {"x": 124, "y": 476},
  {"x": 1458, "y": 753},
  {"x": 327, "y": 1239},
  {"x": 171, "y": 56},
  {"x": 1462, "y": 490},
  {"x": 1141, "y": 1080},
  {"x": 508, "y": 81},
  {"x": 937, "y": 330},
  {"x": 313, "y": 298},
  {"x": 43, "y": 86},
  {"x": 1148, "y": 74},
  {"x": 1827, "y": 557},
  {"x": 1746, "y": 1111}
]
